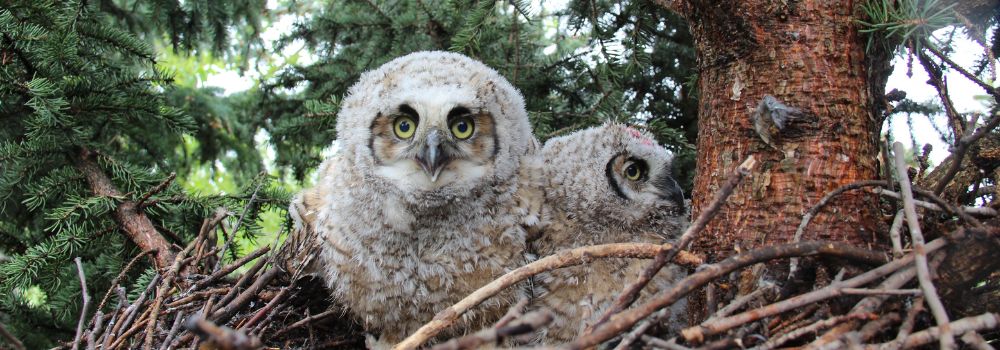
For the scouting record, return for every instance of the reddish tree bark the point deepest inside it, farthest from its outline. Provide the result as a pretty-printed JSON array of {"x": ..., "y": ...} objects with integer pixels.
[{"x": 810, "y": 56}]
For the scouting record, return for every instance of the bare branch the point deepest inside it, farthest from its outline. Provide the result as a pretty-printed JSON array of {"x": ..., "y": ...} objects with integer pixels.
[
  {"x": 86, "y": 303},
  {"x": 923, "y": 271},
  {"x": 629, "y": 318},
  {"x": 974, "y": 323}
]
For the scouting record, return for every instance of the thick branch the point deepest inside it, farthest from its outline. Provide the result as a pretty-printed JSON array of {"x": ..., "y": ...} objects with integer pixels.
[{"x": 139, "y": 228}]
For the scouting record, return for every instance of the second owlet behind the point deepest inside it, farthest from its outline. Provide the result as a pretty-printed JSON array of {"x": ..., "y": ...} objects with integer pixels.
[{"x": 607, "y": 184}]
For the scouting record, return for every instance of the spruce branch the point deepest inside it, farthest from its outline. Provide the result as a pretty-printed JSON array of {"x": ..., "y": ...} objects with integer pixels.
[{"x": 134, "y": 222}]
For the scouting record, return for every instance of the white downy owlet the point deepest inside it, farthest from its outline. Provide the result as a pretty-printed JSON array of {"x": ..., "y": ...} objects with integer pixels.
[{"x": 418, "y": 208}]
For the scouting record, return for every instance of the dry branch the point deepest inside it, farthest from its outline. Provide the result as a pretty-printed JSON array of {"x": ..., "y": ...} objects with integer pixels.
[
  {"x": 975, "y": 323},
  {"x": 565, "y": 258},
  {"x": 917, "y": 237},
  {"x": 629, "y": 318}
]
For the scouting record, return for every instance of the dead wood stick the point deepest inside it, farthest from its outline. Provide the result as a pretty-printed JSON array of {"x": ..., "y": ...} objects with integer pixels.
[
  {"x": 513, "y": 313},
  {"x": 641, "y": 329},
  {"x": 224, "y": 313},
  {"x": 794, "y": 262},
  {"x": 561, "y": 259},
  {"x": 911, "y": 317},
  {"x": 119, "y": 310},
  {"x": 308, "y": 320},
  {"x": 658, "y": 343},
  {"x": 865, "y": 291},
  {"x": 529, "y": 323},
  {"x": 962, "y": 212},
  {"x": 11, "y": 339},
  {"x": 222, "y": 337},
  {"x": 923, "y": 270},
  {"x": 132, "y": 219},
  {"x": 737, "y": 303},
  {"x": 240, "y": 284},
  {"x": 173, "y": 331},
  {"x": 264, "y": 311},
  {"x": 232, "y": 267},
  {"x": 236, "y": 228},
  {"x": 894, "y": 236},
  {"x": 630, "y": 293},
  {"x": 716, "y": 326},
  {"x": 133, "y": 309},
  {"x": 815, "y": 326},
  {"x": 94, "y": 333},
  {"x": 974, "y": 323},
  {"x": 196, "y": 296},
  {"x": 161, "y": 293},
  {"x": 876, "y": 326},
  {"x": 86, "y": 303},
  {"x": 129, "y": 332},
  {"x": 121, "y": 275},
  {"x": 976, "y": 341},
  {"x": 706, "y": 274}
]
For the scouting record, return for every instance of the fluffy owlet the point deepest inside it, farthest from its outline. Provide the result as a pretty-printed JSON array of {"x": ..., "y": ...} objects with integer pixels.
[
  {"x": 417, "y": 208},
  {"x": 608, "y": 184}
]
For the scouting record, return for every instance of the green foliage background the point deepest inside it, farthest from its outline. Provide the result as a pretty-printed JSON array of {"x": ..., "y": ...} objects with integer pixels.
[{"x": 122, "y": 83}]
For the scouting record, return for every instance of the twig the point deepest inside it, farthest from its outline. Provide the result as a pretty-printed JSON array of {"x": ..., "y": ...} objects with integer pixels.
[
  {"x": 974, "y": 323},
  {"x": 630, "y": 293},
  {"x": 629, "y": 318},
  {"x": 224, "y": 313},
  {"x": 109, "y": 332},
  {"x": 968, "y": 75},
  {"x": 529, "y": 323},
  {"x": 222, "y": 337},
  {"x": 794, "y": 264},
  {"x": 923, "y": 271},
  {"x": 308, "y": 320},
  {"x": 513, "y": 313},
  {"x": 232, "y": 267},
  {"x": 658, "y": 343},
  {"x": 121, "y": 275},
  {"x": 11, "y": 339},
  {"x": 976, "y": 341},
  {"x": 161, "y": 293},
  {"x": 795, "y": 334},
  {"x": 835, "y": 289},
  {"x": 92, "y": 336},
  {"x": 159, "y": 188},
  {"x": 909, "y": 321},
  {"x": 863, "y": 291},
  {"x": 641, "y": 329},
  {"x": 86, "y": 303},
  {"x": 962, "y": 212},
  {"x": 240, "y": 283},
  {"x": 561, "y": 259},
  {"x": 236, "y": 228},
  {"x": 173, "y": 331},
  {"x": 264, "y": 311},
  {"x": 737, "y": 303},
  {"x": 897, "y": 241}
]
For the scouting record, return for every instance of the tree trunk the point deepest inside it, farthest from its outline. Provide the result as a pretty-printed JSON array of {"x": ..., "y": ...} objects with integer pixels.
[{"x": 810, "y": 56}]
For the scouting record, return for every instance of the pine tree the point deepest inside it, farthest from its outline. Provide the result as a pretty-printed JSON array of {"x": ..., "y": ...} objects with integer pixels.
[{"x": 91, "y": 133}]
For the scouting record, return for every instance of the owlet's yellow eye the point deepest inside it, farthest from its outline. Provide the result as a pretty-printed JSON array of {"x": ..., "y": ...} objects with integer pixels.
[
  {"x": 404, "y": 127},
  {"x": 634, "y": 171},
  {"x": 462, "y": 128}
]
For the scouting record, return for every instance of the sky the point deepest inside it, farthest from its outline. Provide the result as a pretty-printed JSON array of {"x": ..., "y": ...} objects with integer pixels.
[{"x": 966, "y": 95}]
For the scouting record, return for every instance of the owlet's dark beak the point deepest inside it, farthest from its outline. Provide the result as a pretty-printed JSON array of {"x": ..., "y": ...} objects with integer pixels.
[{"x": 432, "y": 158}]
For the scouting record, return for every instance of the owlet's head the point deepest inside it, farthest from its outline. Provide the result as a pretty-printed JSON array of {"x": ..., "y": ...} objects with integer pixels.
[
  {"x": 614, "y": 178},
  {"x": 435, "y": 126}
]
